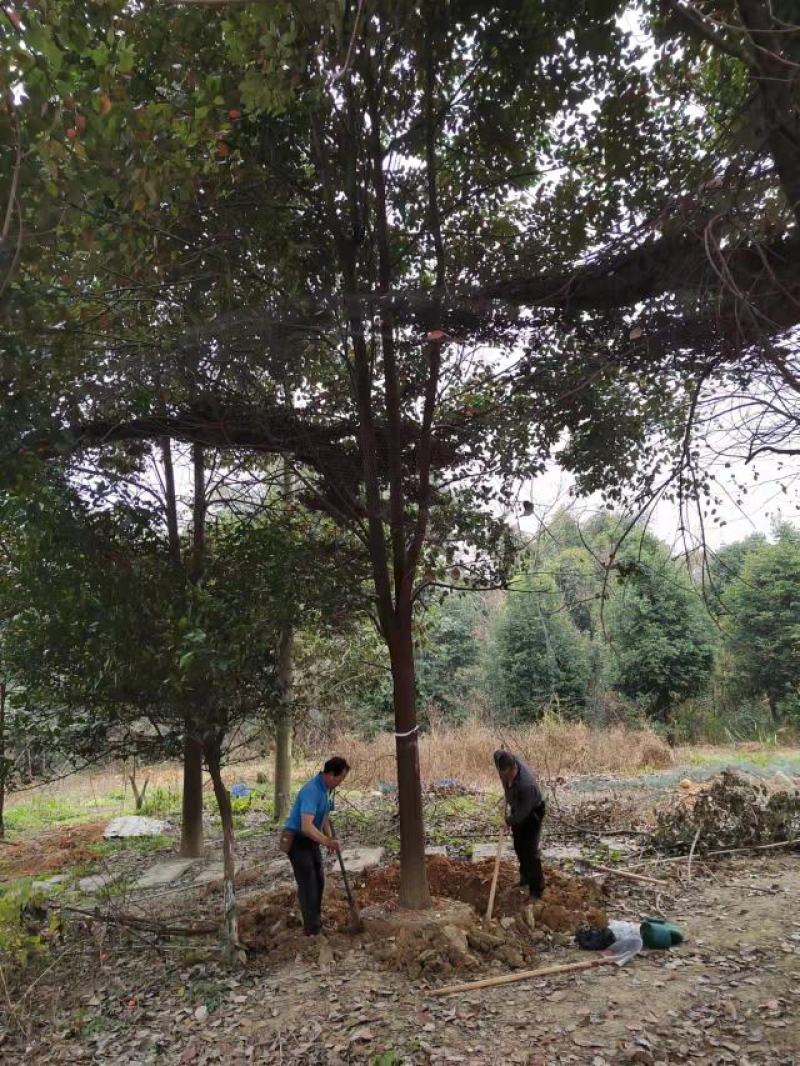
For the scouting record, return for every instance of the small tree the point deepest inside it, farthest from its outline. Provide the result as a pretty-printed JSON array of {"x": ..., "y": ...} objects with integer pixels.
[
  {"x": 662, "y": 637},
  {"x": 762, "y": 627},
  {"x": 449, "y": 654},
  {"x": 536, "y": 651}
]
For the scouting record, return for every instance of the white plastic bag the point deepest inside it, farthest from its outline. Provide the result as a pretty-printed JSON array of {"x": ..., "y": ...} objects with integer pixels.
[{"x": 627, "y": 941}]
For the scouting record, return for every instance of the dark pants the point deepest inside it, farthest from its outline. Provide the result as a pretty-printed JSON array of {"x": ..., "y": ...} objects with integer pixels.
[
  {"x": 306, "y": 859},
  {"x": 526, "y": 844}
]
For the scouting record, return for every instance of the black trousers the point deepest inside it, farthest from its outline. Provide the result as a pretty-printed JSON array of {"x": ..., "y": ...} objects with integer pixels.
[
  {"x": 309, "y": 873},
  {"x": 526, "y": 844}
]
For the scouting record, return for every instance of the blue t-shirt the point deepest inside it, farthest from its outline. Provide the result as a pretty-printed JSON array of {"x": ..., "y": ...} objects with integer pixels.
[{"x": 313, "y": 798}]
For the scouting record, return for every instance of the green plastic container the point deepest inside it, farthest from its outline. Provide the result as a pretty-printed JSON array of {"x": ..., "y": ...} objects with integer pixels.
[{"x": 660, "y": 934}]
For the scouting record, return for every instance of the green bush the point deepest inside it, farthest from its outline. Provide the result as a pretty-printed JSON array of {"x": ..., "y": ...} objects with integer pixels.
[{"x": 161, "y": 802}]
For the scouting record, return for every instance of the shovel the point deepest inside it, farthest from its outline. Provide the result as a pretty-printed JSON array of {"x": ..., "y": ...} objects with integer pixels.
[
  {"x": 356, "y": 925},
  {"x": 488, "y": 916}
]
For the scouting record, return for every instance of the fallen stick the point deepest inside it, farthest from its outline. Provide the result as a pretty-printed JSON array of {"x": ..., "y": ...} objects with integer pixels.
[
  {"x": 523, "y": 975},
  {"x": 691, "y": 855},
  {"x": 626, "y": 874},
  {"x": 722, "y": 851},
  {"x": 146, "y": 925}
]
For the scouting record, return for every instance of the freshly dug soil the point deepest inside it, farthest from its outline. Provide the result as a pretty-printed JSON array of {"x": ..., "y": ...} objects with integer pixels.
[
  {"x": 51, "y": 851},
  {"x": 434, "y": 944}
]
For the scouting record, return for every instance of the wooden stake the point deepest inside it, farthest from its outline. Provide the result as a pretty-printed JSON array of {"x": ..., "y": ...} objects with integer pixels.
[
  {"x": 495, "y": 875},
  {"x": 523, "y": 975},
  {"x": 626, "y": 874}
]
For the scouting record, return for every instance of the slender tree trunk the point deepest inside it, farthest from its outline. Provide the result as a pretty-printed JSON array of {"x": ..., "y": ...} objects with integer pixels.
[
  {"x": 283, "y": 727},
  {"x": 413, "y": 878},
  {"x": 171, "y": 502},
  {"x": 192, "y": 806},
  {"x": 192, "y": 813},
  {"x": 230, "y": 928},
  {"x": 3, "y": 764},
  {"x": 138, "y": 793}
]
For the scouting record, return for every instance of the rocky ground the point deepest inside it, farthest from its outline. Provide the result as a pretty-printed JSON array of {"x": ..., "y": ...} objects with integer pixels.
[{"x": 730, "y": 993}]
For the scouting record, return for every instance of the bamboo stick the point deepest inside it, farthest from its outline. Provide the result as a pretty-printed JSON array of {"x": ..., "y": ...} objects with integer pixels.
[
  {"x": 523, "y": 975},
  {"x": 626, "y": 874}
]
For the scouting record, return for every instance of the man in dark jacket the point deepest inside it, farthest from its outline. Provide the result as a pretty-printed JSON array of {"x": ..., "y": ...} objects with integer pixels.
[{"x": 524, "y": 815}]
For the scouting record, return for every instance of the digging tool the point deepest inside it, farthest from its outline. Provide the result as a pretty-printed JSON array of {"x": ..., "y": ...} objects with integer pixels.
[
  {"x": 495, "y": 875},
  {"x": 356, "y": 925}
]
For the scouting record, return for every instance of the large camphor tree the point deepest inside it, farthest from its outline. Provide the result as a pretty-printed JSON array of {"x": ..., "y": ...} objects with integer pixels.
[
  {"x": 304, "y": 231},
  {"x": 261, "y": 224}
]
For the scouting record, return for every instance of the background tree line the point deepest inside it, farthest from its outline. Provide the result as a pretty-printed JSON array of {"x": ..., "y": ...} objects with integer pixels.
[{"x": 604, "y": 632}]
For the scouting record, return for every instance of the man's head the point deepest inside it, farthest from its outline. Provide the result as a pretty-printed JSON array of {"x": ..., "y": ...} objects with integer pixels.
[
  {"x": 335, "y": 771},
  {"x": 506, "y": 766}
]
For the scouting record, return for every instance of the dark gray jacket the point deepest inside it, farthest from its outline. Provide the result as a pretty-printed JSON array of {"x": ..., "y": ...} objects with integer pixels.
[{"x": 523, "y": 796}]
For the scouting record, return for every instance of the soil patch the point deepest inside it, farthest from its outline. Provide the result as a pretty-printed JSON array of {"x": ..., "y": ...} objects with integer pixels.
[
  {"x": 51, "y": 851},
  {"x": 438, "y": 941},
  {"x": 567, "y": 902}
]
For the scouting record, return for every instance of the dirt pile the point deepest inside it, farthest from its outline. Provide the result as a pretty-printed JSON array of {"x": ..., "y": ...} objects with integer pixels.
[
  {"x": 51, "y": 851},
  {"x": 447, "y": 939},
  {"x": 567, "y": 901},
  {"x": 437, "y": 948},
  {"x": 731, "y": 810}
]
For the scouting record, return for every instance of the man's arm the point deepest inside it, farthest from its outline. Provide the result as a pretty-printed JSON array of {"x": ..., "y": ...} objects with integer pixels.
[
  {"x": 524, "y": 798},
  {"x": 311, "y": 831}
]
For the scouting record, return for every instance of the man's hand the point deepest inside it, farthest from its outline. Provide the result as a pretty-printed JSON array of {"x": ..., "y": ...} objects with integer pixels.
[{"x": 333, "y": 845}]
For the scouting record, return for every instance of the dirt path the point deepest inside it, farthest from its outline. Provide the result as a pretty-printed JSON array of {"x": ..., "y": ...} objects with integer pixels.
[{"x": 729, "y": 995}]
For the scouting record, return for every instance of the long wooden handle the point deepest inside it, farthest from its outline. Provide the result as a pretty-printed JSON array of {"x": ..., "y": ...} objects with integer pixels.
[
  {"x": 346, "y": 879},
  {"x": 522, "y": 975},
  {"x": 495, "y": 875}
]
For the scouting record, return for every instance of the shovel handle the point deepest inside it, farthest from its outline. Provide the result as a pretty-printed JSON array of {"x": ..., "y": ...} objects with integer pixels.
[
  {"x": 351, "y": 901},
  {"x": 498, "y": 857}
]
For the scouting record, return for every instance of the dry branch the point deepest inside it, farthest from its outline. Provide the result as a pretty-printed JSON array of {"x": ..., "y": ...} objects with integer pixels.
[{"x": 145, "y": 925}]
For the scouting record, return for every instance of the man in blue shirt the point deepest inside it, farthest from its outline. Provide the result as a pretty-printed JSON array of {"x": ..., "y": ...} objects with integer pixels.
[{"x": 308, "y": 820}]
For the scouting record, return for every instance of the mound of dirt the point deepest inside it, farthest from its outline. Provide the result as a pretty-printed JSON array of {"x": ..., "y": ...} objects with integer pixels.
[
  {"x": 567, "y": 901},
  {"x": 446, "y": 938},
  {"x": 731, "y": 810},
  {"x": 51, "y": 851}
]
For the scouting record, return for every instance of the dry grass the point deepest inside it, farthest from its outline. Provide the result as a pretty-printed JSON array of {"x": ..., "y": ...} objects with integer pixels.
[{"x": 553, "y": 747}]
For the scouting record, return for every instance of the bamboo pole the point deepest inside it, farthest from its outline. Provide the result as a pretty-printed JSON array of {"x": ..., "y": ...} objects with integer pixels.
[
  {"x": 626, "y": 874},
  {"x": 523, "y": 975}
]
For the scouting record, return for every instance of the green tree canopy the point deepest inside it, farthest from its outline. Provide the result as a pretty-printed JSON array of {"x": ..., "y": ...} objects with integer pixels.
[
  {"x": 662, "y": 637},
  {"x": 762, "y": 622},
  {"x": 536, "y": 653}
]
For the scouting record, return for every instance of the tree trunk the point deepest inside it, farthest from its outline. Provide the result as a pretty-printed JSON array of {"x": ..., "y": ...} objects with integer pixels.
[
  {"x": 283, "y": 727},
  {"x": 3, "y": 764},
  {"x": 413, "y": 878},
  {"x": 774, "y": 80},
  {"x": 192, "y": 808},
  {"x": 230, "y": 928}
]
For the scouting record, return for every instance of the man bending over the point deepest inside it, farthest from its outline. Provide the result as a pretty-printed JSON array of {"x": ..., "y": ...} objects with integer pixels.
[{"x": 524, "y": 815}]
